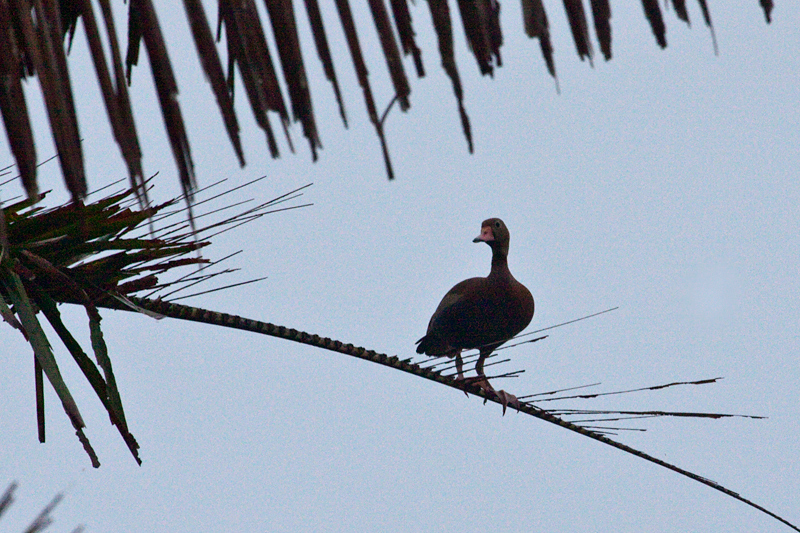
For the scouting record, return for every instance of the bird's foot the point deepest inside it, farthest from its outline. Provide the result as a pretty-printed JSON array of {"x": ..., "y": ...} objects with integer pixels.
[
  {"x": 505, "y": 398},
  {"x": 486, "y": 387},
  {"x": 480, "y": 381},
  {"x": 466, "y": 382}
]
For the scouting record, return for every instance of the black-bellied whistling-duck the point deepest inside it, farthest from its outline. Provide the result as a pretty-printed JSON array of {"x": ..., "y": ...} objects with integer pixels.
[{"x": 480, "y": 313}]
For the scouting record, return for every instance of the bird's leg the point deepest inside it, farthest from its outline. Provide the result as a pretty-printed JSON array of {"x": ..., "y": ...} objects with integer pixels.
[
  {"x": 505, "y": 398},
  {"x": 459, "y": 366},
  {"x": 460, "y": 369},
  {"x": 482, "y": 382}
]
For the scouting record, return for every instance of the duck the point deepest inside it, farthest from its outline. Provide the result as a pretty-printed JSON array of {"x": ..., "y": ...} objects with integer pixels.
[{"x": 480, "y": 313}]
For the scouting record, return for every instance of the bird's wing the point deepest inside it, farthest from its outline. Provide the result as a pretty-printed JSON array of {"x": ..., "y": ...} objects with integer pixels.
[
  {"x": 451, "y": 303},
  {"x": 461, "y": 314},
  {"x": 440, "y": 328},
  {"x": 455, "y": 303}
]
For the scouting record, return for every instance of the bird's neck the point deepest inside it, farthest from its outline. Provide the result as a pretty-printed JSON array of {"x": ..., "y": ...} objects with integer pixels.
[{"x": 499, "y": 266}]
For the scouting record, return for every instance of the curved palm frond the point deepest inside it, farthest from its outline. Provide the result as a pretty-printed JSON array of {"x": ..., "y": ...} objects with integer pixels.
[{"x": 418, "y": 369}]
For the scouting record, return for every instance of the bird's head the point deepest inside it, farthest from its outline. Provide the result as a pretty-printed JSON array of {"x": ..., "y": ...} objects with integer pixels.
[{"x": 494, "y": 233}]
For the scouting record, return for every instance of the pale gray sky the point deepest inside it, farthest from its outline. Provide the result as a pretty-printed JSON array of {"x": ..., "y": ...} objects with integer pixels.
[{"x": 662, "y": 182}]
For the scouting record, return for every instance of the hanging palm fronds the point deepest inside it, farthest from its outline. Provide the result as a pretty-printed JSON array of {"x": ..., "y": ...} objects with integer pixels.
[{"x": 31, "y": 44}]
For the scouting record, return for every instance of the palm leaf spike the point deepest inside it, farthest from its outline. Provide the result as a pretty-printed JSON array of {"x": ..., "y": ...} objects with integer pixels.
[
  {"x": 601, "y": 14},
  {"x": 110, "y": 400},
  {"x": 111, "y": 394},
  {"x": 402, "y": 18},
  {"x": 628, "y": 391},
  {"x": 767, "y": 6},
  {"x": 440, "y": 14},
  {"x": 324, "y": 53},
  {"x": 204, "y": 41},
  {"x": 8, "y": 497},
  {"x": 653, "y": 13},
  {"x": 707, "y": 19},
  {"x": 43, "y": 519},
  {"x": 349, "y": 28}
]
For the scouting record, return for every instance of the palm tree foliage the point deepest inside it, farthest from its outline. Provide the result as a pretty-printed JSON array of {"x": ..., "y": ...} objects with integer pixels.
[
  {"x": 85, "y": 254},
  {"x": 32, "y": 35},
  {"x": 76, "y": 253}
]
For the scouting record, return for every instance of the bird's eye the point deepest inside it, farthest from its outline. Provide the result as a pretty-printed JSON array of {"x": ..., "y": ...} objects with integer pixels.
[{"x": 497, "y": 224}]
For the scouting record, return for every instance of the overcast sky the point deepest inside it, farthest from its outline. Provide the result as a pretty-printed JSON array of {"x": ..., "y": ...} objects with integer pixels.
[{"x": 663, "y": 182}]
